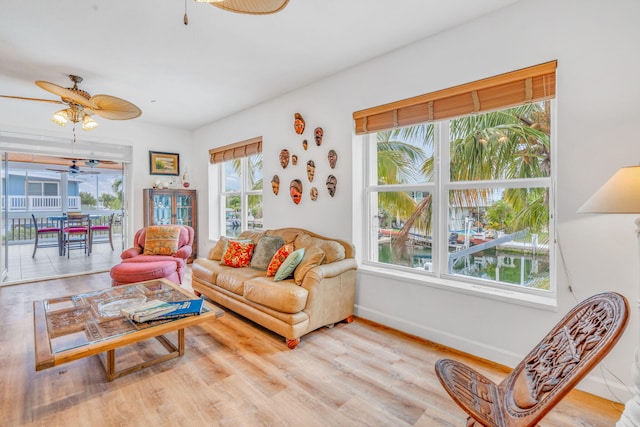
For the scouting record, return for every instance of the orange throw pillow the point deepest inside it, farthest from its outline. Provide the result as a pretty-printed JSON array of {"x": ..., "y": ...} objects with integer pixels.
[
  {"x": 161, "y": 240},
  {"x": 238, "y": 254},
  {"x": 278, "y": 258}
]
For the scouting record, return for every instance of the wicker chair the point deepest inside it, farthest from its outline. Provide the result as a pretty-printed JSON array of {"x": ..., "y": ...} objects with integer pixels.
[{"x": 566, "y": 355}]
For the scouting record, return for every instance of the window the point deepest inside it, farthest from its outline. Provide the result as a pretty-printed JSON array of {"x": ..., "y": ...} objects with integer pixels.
[
  {"x": 467, "y": 197},
  {"x": 240, "y": 179}
]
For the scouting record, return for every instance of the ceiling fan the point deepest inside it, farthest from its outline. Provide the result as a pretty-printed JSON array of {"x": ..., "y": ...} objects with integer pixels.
[
  {"x": 251, "y": 7},
  {"x": 81, "y": 106},
  {"x": 75, "y": 169}
]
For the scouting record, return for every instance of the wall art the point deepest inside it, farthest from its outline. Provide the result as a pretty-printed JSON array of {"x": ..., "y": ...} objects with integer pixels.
[
  {"x": 313, "y": 194},
  {"x": 305, "y": 144},
  {"x": 164, "y": 163},
  {"x": 275, "y": 184},
  {"x": 311, "y": 170},
  {"x": 294, "y": 159},
  {"x": 318, "y": 133},
  {"x": 298, "y": 123},
  {"x": 332, "y": 182},
  {"x": 295, "y": 190},
  {"x": 333, "y": 158},
  {"x": 284, "y": 158}
]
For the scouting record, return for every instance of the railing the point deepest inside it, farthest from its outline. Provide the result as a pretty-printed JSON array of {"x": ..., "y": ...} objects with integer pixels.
[
  {"x": 40, "y": 203},
  {"x": 21, "y": 230}
]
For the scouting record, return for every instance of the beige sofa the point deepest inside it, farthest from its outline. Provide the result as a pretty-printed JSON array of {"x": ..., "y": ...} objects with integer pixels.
[{"x": 320, "y": 293}]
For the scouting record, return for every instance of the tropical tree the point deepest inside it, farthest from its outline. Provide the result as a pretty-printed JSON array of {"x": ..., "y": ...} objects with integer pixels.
[{"x": 506, "y": 144}]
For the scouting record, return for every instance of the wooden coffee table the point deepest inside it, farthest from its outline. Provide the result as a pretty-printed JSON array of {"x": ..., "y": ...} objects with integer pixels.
[{"x": 78, "y": 326}]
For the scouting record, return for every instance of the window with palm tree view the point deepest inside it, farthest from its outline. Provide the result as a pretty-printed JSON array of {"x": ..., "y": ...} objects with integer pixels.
[
  {"x": 467, "y": 198},
  {"x": 241, "y": 191}
]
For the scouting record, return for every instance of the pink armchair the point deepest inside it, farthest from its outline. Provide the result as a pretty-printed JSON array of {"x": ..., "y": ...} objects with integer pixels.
[{"x": 138, "y": 267}]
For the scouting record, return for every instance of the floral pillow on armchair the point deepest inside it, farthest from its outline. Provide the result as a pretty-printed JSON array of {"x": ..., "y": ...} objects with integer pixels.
[{"x": 161, "y": 240}]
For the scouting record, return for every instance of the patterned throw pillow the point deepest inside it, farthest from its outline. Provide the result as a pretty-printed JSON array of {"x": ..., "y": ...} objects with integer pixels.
[
  {"x": 265, "y": 250},
  {"x": 161, "y": 240},
  {"x": 278, "y": 258},
  {"x": 238, "y": 254},
  {"x": 289, "y": 264}
]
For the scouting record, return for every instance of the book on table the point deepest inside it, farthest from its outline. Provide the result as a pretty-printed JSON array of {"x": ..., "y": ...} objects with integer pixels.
[
  {"x": 161, "y": 310},
  {"x": 192, "y": 307},
  {"x": 147, "y": 311}
]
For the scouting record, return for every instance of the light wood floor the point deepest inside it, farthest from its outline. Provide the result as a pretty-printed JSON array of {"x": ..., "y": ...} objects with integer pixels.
[{"x": 235, "y": 373}]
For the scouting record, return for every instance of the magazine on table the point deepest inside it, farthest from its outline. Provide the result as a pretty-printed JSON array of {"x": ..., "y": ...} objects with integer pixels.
[
  {"x": 147, "y": 311},
  {"x": 192, "y": 307}
]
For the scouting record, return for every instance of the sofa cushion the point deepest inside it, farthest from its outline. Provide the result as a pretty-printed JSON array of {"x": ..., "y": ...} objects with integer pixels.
[
  {"x": 265, "y": 249},
  {"x": 234, "y": 279},
  {"x": 313, "y": 256},
  {"x": 278, "y": 258},
  {"x": 251, "y": 235},
  {"x": 238, "y": 254},
  {"x": 289, "y": 264},
  {"x": 333, "y": 250},
  {"x": 284, "y": 296},
  {"x": 288, "y": 235},
  {"x": 206, "y": 269},
  {"x": 161, "y": 240}
]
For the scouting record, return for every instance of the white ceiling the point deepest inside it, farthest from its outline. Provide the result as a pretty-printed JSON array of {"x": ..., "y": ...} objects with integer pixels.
[{"x": 221, "y": 63}]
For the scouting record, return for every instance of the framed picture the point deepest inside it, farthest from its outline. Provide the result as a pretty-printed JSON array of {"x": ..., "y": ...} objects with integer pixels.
[{"x": 164, "y": 163}]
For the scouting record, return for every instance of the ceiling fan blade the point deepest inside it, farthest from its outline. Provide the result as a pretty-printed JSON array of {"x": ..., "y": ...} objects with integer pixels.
[
  {"x": 113, "y": 108},
  {"x": 65, "y": 93},
  {"x": 254, "y": 7},
  {"x": 53, "y": 101}
]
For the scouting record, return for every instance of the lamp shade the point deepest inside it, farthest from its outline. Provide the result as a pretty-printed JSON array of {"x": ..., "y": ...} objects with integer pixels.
[{"x": 619, "y": 195}]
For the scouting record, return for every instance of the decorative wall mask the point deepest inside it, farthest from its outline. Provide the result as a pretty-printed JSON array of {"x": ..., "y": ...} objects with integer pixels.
[
  {"x": 298, "y": 123},
  {"x": 284, "y": 158},
  {"x": 331, "y": 185},
  {"x": 311, "y": 170},
  {"x": 275, "y": 184},
  {"x": 294, "y": 159},
  {"x": 305, "y": 145},
  {"x": 318, "y": 133},
  {"x": 295, "y": 190},
  {"x": 313, "y": 193},
  {"x": 333, "y": 158}
]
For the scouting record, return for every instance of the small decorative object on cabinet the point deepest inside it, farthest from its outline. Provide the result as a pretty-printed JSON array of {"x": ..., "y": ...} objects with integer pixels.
[{"x": 172, "y": 206}]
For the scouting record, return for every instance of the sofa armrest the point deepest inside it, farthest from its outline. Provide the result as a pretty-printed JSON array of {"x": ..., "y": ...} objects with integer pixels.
[
  {"x": 130, "y": 253},
  {"x": 332, "y": 290}
]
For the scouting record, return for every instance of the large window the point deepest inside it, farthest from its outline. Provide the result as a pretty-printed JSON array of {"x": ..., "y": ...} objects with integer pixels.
[
  {"x": 466, "y": 198},
  {"x": 240, "y": 178}
]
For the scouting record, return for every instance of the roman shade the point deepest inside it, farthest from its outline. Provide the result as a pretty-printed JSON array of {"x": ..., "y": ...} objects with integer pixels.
[
  {"x": 238, "y": 150},
  {"x": 530, "y": 84}
]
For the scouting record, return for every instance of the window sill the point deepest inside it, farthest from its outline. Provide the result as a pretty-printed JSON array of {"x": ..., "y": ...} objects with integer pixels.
[{"x": 541, "y": 302}]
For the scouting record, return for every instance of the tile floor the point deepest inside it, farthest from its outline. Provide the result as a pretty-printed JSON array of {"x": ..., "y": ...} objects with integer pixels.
[{"x": 48, "y": 264}]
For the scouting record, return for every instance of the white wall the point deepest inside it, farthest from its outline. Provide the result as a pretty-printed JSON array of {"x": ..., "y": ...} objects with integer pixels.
[{"x": 595, "y": 44}]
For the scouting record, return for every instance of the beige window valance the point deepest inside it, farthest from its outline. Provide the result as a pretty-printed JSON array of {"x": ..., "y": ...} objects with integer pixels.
[
  {"x": 530, "y": 84},
  {"x": 236, "y": 151}
]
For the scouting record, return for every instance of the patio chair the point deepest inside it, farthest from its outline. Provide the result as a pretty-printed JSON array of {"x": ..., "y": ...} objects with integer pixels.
[
  {"x": 101, "y": 228},
  {"x": 76, "y": 233},
  {"x": 540, "y": 381},
  {"x": 44, "y": 231}
]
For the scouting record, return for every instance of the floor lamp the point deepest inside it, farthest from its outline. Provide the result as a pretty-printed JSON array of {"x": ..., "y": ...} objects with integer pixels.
[{"x": 621, "y": 195}]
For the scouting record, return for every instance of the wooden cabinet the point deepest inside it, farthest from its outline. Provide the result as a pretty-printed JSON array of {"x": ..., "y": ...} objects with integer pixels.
[{"x": 172, "y": 207}]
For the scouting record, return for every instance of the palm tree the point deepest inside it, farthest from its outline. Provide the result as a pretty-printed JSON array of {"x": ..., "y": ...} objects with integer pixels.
[{"x": 506, "y": 144}]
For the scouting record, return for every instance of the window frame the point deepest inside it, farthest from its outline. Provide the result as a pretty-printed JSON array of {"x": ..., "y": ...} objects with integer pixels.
[
  {"x": 439, "y": 188},
  {"x": 244, "y": 193}
]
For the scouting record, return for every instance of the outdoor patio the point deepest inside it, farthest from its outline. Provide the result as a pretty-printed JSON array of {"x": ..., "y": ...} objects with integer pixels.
[{"x": 47, "y": 263}]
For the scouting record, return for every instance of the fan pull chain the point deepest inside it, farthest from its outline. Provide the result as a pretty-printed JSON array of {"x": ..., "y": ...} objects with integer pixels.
[{"x": 186, "y": 18}]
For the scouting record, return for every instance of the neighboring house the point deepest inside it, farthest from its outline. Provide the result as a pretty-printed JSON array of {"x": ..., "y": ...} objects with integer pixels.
[{"x": 37, "y": 191}]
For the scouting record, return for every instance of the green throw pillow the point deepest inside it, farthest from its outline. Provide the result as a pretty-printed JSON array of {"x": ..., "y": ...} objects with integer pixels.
[
  {"x": 289, "y": 264},
  {"x": 264, "y": 251}
]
